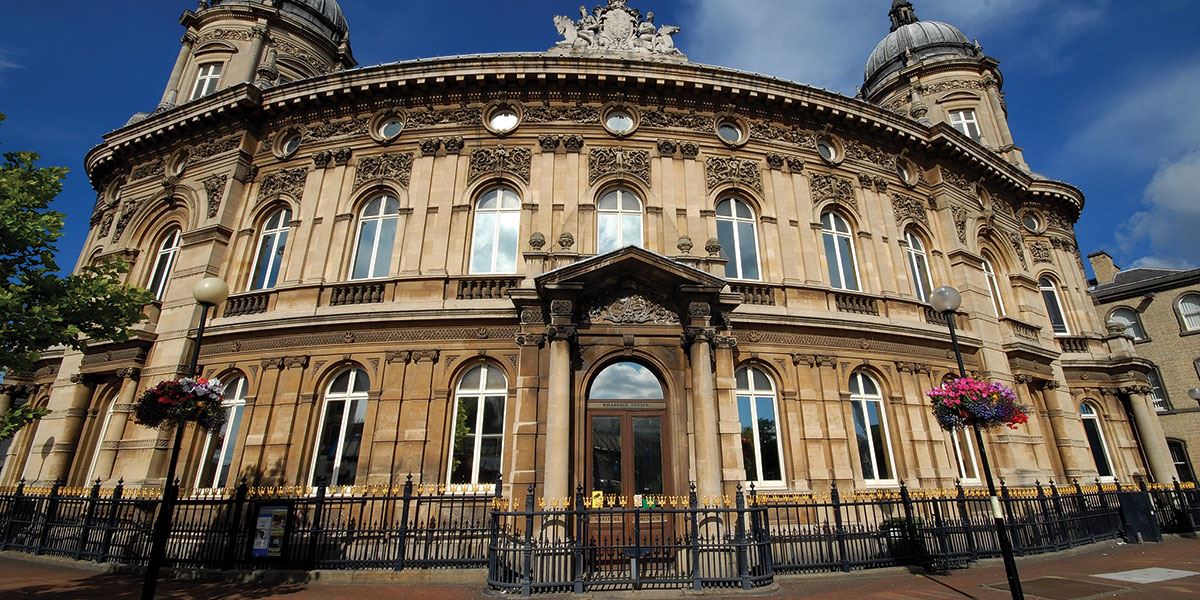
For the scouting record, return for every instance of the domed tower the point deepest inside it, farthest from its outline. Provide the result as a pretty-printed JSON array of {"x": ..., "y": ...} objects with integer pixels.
[
  {"x": 930, "y": 71},
  {"x": 265, "y": 42}
]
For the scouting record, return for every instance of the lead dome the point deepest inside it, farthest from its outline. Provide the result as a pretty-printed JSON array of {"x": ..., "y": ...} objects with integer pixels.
[
  {"x": 324, "y": 16},
  {"x": 912, "y": 40}
]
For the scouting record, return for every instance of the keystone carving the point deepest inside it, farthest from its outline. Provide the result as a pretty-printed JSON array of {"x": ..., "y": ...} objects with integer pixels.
[{"x": 909, "y": 208}]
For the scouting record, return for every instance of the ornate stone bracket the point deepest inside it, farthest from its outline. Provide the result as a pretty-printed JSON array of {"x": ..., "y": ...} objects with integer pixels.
[{"x": 214, "y": 186}]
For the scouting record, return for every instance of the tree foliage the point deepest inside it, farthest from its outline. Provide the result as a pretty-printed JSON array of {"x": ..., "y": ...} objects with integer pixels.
[
  {"x": 39, "y": 307},
  {"x": 12, "y": 421}
]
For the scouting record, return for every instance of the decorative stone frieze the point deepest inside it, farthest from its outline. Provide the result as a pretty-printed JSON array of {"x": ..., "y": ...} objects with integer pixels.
[
  {"x": 394, "y": 166},
  {"x": 613, "y": 160},
  {"x": 826, "y": 188},
  {"x": 638, "y": 307},
  {"x": 737, "y": 171},
  {"x": 907, "y": 208},
  {"x": 288, "y": 182},
  {"x": 1040, "y": 252},
  {"x": 327, "y": 130},
  {"x": 154, "y": 168},
  {"x": 579, "y": 115},
  {"x": 493, "y": 161}
]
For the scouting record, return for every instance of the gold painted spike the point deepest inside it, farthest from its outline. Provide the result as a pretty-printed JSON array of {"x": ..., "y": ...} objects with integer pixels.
[{"x": 441, "y": 488}]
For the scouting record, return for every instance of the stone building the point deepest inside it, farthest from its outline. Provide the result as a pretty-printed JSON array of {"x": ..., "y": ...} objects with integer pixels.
[
  {"x": 1159, "y": 311},
  {"x": 601, "y": 266}
]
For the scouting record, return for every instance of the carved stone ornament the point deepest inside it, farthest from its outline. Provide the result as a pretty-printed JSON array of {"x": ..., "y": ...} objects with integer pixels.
[
  {"x": 429, "y": 146},
  {"x": 712, "y": 246},
  {"x": 960, "y": 222},
  {"x": 395, "y": 166},
  {"x": 287, "y": 181},
  {"x": 321, "y": 159},
  {"x": 453, "y": 145},
  {"x": 562, "y": 308},
  {"x": 738, "y": 171},
  {"x": 566, "y": 241},
  {"x": 156, "y": 168},
  {"x": 1040, "y": 252},
  {"x": 549, "y": 143},
  {"x": 632, "y": 307},
  {"x": 1018, "y": 246},
  {"x": 214, "y": 186},
  {"x": 832, "y": 187},
  {"x": 607, "y": 161},
  {"x": 580, "y": 115},
  {"x": 572, "y": 143},
  {"x": 537, "y": 240},
  {"x": 341, "y": 156},
  {"x": 616, "y": 29},
  {"x": 517, "y": 161},
  {"x": 909, "y": 208},
  {"x": 689, "y": 149},
  {"x": 685, "y": 244},
  {"x": 667, "y": 147}
]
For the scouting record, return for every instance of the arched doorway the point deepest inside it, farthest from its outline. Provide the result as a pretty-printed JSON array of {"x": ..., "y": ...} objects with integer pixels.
[{"x": 627, "y": 434}]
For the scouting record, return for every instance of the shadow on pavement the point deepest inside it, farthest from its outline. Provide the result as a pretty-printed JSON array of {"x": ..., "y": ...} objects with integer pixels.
[{"x": 122, "y": 587}]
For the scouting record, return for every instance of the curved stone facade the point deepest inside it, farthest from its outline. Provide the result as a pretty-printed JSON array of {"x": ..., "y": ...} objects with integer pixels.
[{"x": 310, "y": 158}]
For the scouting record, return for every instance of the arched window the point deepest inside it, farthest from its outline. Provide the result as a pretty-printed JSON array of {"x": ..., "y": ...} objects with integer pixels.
[
  {"x": 376, "y": 237},
  {"x": 870, "y": 427},
  {"x": 1183, "y": 463},
  {"x": 108, "y": 415},
  {"x": 1189, "y": 312},
  {"x": 993, "y": 286},
  {"x": 219, "y": 445},
  {"x": 964, "y": 455},
  {"x": 737, "y": 234},
  {"x": 497, "y": 224},
  {"x": 918, "y": 265},
  {"x": 762, "y": 448},
  {"x": 1129, "y": 318},
  {"x": 164, "y": 261},
  {"x": 478, "y": 426},
  {"x": 1095, "y": 438},
  {"x": 839, "y": 252},
  {"x": 340, "y": 435},
  {"x": 1053, "y": 306},
  {"x": 268, "y": 258},
  {"x": 618, "y": 221}
]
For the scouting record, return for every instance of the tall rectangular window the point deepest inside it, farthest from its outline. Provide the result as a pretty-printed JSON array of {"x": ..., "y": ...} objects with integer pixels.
[
  {"x": 1158, "y": 394},
  {"x": 966, "y": 123},
  {"x": 207, "y": 79}
]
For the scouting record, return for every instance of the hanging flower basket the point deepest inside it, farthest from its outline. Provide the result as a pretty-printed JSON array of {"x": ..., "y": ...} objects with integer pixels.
[
  {"x": 187, "y": 400},
  {"x": 968, "y": 402}
]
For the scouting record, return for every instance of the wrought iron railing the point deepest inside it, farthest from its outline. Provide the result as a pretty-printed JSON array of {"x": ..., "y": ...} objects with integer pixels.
[{"x": 580, "y": 544}]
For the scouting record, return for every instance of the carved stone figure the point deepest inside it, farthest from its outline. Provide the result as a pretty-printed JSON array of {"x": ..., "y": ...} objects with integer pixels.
[{"x": 616, "y": 29}]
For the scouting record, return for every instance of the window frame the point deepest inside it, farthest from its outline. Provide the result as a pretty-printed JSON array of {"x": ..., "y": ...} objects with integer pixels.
[
  {"x": 1158, "y": 392},
  {"x": 235, "y": 399},
  {"x": 1135, "y": 323},
  {"x": 1046, "y": 285},
  {"x": 164, "y": 262},
  {"x": 862, "y": 398},
  {"x": 479, "y": 396},
  {"x": 349, "y": 397},
  {"x": 378, "y": 218},
  {"x": 1094, "y": 417},
  {"x": 755, "y": 394},
  {"x": 831, "y": 231},
  {"x": 279, "y": 238},
  {"x": 989, "y": 271},
  {"x": 497, "y": 226},
  {"x": 202, "y": 88},
  {"x": 736, "y": 259},
  {"x": 971, "y": 452},
  {"x": 618, "y": 215},
  {"x": 1181, "y": 445},
  {"x": 922, "y": 289},
  {"x": 1184, "y": 326},
  {"x": 962, "y": 119},
  {"x": 108, "y": 415}
]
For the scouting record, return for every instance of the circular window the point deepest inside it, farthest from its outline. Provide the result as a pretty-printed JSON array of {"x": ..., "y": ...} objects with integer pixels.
[
  {"x": 391, "y": 128},
  {"x": 619, "y": 122},
  {"x": 908, "y": 173},
  {"x": 503, "y": 119},
  {"x": 177, "y": 163},
  {"x": 1031, "y": 222},
  {"x": 828, "y": 150},
  {"x": 730, "y": 132},
  {"x": 290, "y": 144}
]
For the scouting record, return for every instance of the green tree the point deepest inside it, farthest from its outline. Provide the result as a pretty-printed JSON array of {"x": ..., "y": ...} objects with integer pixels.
[{"x": 39, "y": 307}]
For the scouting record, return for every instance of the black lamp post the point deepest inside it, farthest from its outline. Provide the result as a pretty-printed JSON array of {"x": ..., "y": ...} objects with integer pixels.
[
  {"x": 947, "y": 300},
  {"x": 209, "y": 292}
]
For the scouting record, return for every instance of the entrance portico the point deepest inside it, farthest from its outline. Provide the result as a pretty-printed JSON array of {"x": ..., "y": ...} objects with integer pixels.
[{"x": 631, "y": 403}]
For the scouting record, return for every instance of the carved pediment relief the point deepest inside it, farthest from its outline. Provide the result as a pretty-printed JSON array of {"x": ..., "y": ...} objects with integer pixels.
[{"x": 632, "y": 306}]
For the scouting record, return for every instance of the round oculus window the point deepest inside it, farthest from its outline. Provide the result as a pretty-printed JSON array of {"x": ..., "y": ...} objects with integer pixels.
[
  {"x": 729, "y": 132},
  {"x": 827, "y": 151},
  {"x": 907, "y": 172},
  {"x": 291, "y": 144},
  {"x": 503, "y": 119},
  {"x": 619, "y": 122},
  {"x": 391, "y": 128},
  {"x": 1031, "y": 222}
]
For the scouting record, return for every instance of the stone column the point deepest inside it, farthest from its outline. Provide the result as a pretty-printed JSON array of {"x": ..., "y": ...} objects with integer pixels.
[
  {"x": 557, "y": 471},
  {"x": 171, "y": 94},
  {"x": 699, "y": 336},
  {"x": 1150, "y": 431},
  {"x": 729, "y": 427},
  {"x": 121, "y": 407},
  {"x": 58, "y": 464},
  {"x": 250, "y": 68}
]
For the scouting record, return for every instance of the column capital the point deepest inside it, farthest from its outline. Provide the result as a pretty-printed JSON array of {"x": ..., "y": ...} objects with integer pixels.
[
  {"x": 725, "y": 342},
  {"x": 693, "y": 335},
  {"x": 129, "y": 373},
  {"x": 556, "y": 333},
  {"x": 530, "y": 339}
]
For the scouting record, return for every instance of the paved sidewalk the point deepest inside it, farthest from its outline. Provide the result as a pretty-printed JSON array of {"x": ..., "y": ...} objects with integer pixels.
[{"x": 1066, "y": 576}]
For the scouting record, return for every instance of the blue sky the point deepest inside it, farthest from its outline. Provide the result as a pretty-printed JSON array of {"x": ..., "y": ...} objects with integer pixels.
[{"x": 1103, "y": 94}]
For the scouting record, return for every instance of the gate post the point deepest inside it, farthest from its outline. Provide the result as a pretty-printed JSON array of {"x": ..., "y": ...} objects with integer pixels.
[
  {"x": 402, "y": 534},
  {"x": 527, "y": 550},
  {"x": 579, "y": 514},
  {"x": 694, "y": 516},
  {"x": 1006, "y": 499},
  {"x": 110, "y": 525},
  {"x": 1064, "y": 533},
  {"x": 314, "y": 530},
  {"x": 235, "y": 523},
  {"x": 739, "y": 541},
  {"x": 839, "y": 529},
  {"x": 86, "y": 530},
  {"x": 760, "y": 531}
]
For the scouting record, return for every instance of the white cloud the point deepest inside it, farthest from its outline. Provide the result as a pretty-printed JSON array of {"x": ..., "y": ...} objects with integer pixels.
[
  {"x": 826, "y": 43},
  {"x": 7, "y": 63},
  {"x": 1159, "y": 262},
  {"x": 1170, "y": 217}
]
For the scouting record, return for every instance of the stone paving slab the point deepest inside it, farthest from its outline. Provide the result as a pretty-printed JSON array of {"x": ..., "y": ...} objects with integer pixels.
[{"x": 1151, "y": 575}]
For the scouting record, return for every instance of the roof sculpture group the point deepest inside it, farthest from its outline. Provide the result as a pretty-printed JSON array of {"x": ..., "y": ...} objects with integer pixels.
[{"x": 616, "y": 29}]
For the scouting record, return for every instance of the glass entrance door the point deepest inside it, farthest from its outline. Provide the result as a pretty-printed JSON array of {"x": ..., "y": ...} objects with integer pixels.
[{"x": 627, "y": 454}]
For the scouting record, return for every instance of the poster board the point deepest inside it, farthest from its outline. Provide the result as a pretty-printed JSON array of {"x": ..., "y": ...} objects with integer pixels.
[{"x": 270, "y": 530}]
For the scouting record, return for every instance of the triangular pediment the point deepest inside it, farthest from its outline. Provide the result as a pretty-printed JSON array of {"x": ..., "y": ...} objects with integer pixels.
[{"x": 630, "y": 265}]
